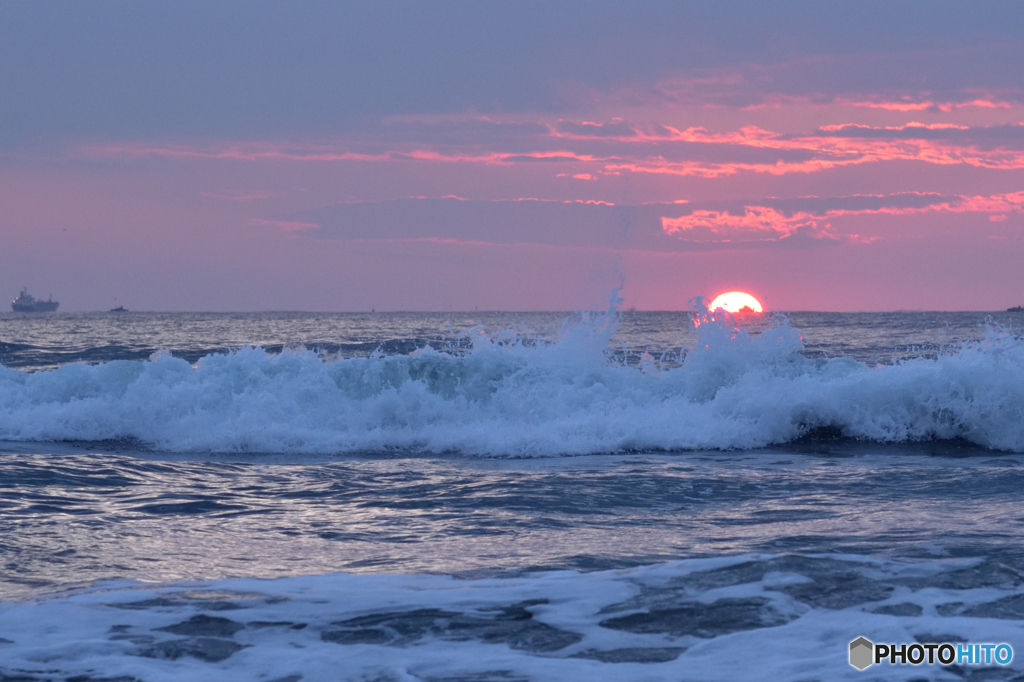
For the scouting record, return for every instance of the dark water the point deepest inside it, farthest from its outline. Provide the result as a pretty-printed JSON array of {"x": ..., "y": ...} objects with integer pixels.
[
  {"x": 75, "y": 513},
  {"x": 70, "y": 517},
  {"x": 72, "y": 513},
  {"x": 866, "y": 480},
  {"x": 33, "y": 342}
]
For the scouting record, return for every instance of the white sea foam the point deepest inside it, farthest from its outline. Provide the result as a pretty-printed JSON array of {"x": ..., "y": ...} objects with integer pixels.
[
  {"x": 507, "y": 397},
  {"x": 737, "y": 618}
]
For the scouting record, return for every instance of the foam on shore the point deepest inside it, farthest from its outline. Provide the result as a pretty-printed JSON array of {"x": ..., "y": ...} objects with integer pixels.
[{"x": 753, "y": 617}]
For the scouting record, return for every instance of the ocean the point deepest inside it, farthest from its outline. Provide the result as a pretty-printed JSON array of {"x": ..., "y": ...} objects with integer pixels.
[{"x": 497, "y": 497}]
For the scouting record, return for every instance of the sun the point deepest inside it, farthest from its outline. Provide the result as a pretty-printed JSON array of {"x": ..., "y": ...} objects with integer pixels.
[{"x": 735, "y": 302}]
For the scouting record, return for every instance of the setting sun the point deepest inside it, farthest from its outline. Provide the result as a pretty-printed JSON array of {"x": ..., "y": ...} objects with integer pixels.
[{"x": 734, "y": 302}]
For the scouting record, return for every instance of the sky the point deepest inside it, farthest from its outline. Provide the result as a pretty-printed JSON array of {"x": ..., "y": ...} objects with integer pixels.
[{"x": 447, "y": 156}]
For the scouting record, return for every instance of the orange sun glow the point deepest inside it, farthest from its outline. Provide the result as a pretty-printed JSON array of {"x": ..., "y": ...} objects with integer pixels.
[{"x": 735, "y": 302}]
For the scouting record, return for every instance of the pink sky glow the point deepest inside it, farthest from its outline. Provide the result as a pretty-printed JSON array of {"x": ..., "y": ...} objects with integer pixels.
[{"x": 769, "y": 174}]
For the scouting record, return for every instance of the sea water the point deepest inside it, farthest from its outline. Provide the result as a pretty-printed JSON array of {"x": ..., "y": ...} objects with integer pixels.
[{"x": 505, "y": 496}]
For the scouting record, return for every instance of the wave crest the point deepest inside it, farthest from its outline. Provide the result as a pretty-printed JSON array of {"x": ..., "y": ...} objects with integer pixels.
[{"x": 509, "y": 396}]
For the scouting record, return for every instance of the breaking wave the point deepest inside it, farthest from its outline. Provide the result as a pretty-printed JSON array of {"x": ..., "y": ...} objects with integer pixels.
[{"x": 504, "y": 395}]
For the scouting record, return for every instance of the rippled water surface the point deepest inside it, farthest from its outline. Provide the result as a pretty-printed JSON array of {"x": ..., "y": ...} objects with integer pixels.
[
  {"x": 748, "y": 486},
  {"x": 72, "y": 518},
  {"x": 41, "y": 341},
  {"x": 71, "y": 513}
]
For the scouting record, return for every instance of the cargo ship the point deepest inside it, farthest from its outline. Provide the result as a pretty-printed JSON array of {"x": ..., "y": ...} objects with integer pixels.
[{"x": 27, "y": 303}]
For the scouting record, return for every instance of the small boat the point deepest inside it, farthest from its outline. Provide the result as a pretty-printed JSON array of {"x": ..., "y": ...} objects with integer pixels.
[
  {"x": 27, "y": 303},
  {"x": 119, "y": 309},
  {"x": 1016, "y": 309}
]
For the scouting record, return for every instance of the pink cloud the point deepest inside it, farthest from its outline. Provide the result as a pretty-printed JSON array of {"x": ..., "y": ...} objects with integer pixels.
[
  {"x": 997, "y": 203},
  {"x": 286, "y": 225},
  {"x": 756, "y": 223},
  {"x": 594, "y": 202},
  {"x": 765, "y": 223},
  {"x": 618, "y": 146},
  {"x": 831, "y": 151},
  {"x": 844, "y": 127},
  {"x": 906, "y": 105},
  {"x": 270, "y": 151}
]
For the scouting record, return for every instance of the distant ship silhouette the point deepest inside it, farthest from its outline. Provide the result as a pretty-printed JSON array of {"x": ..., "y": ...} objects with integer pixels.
[
  {"x": 1016, "y": 309},
  {"x": 27, "y": 303}
]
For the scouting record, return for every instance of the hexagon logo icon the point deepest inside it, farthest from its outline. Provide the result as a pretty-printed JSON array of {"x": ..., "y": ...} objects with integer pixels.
[{"x": 862, "y": 653}]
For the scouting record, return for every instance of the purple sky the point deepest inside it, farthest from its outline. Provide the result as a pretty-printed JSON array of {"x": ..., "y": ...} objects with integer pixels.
[{"x": 519, "y": 156}]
